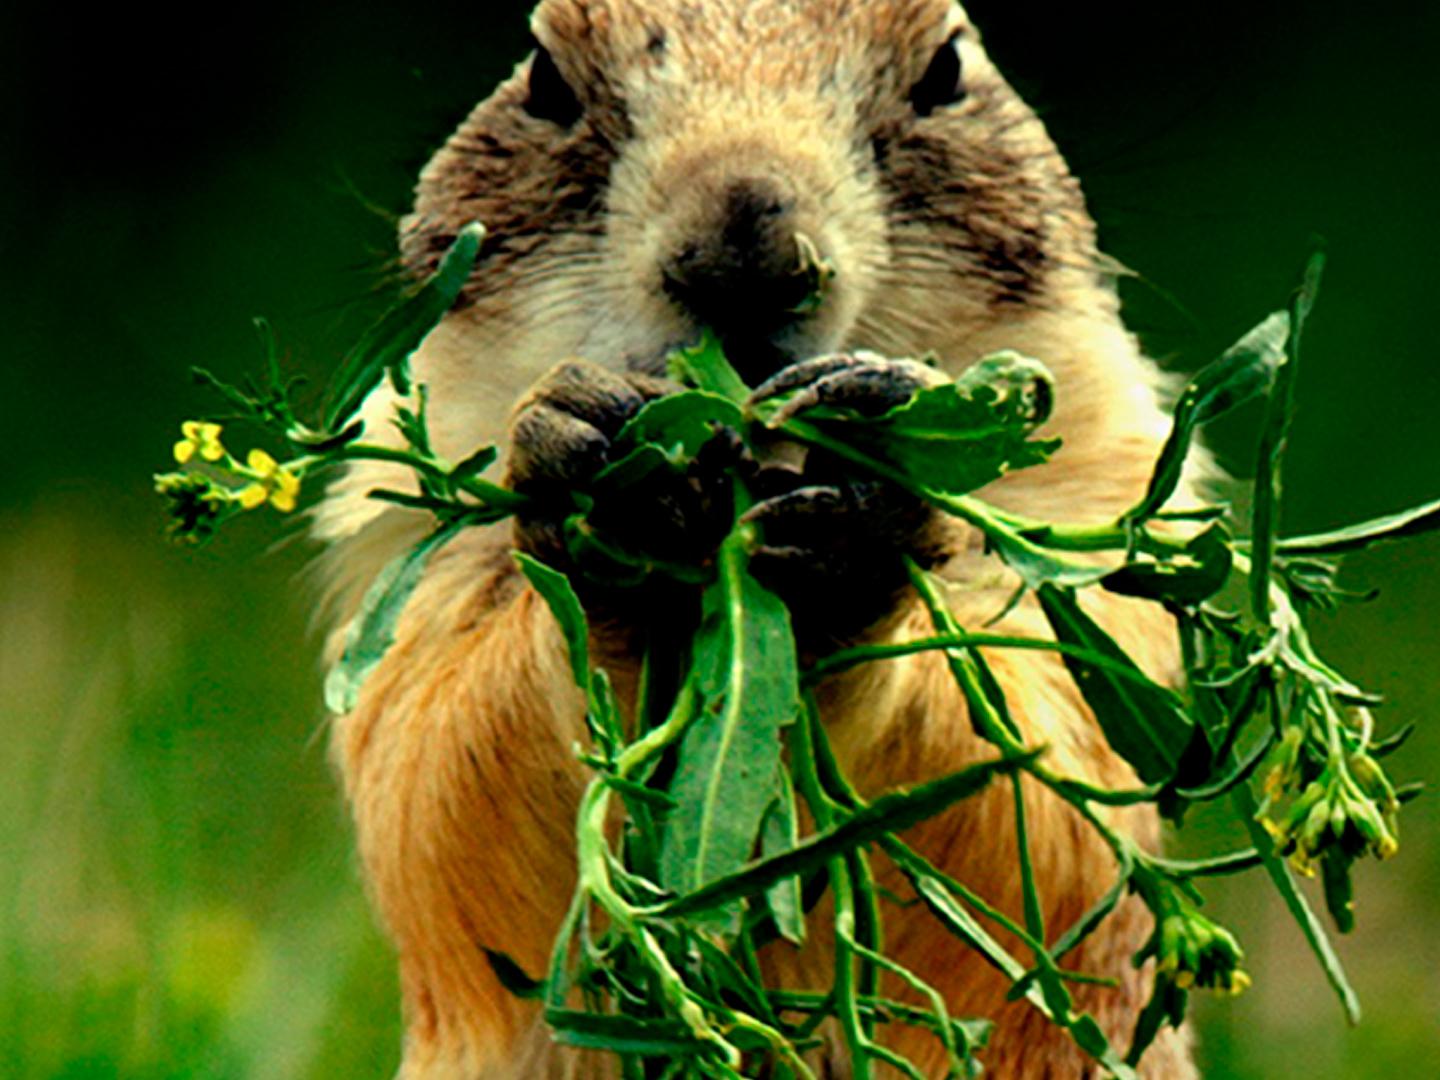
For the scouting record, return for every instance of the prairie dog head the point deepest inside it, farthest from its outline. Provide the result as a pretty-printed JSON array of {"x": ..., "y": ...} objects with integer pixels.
[{"x": 651, "y": 168}]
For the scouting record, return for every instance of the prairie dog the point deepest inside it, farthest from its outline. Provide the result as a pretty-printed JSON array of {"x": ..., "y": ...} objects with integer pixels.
[{"x": 645, "y": 173}]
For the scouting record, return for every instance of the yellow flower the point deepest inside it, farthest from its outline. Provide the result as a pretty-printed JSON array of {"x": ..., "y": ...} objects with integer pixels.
[
  {"x": 201, "y": 438},
  {"x": 273, "y": 483},
  {"x": 1239, "y": 983}
]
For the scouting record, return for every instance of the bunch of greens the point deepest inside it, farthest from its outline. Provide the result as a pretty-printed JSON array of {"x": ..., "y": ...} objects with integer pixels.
[{"x": 657, "y": 959}]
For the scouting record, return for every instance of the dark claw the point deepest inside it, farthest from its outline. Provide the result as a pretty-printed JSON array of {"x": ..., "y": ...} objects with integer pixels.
[
  {"x": 870, "y": 385},
  {"x": 804, "y": 501},
  {"x": 587, "y": 392},
  {"x": 551, "y": 447},
  {"x": 768, "y": 481},
  {"x": 775, "y": 557},
  {"x": 802, "y": 374},
  {"x": 561, "y": 431}
]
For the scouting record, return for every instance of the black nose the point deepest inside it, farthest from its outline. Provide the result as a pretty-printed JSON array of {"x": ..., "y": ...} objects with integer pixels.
[{"x": 740, "y": 273}]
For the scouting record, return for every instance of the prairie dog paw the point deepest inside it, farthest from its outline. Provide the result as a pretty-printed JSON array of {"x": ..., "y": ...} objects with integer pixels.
[
  {"x": 563, "y": 436},
  {"x": 835, "y": 551},
  {"x": 560, "y": 437},
  {"x": 834, "y": 544}
]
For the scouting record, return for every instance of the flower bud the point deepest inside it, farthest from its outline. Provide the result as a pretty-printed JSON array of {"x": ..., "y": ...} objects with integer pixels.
[{"x": 1190, "y": 948}]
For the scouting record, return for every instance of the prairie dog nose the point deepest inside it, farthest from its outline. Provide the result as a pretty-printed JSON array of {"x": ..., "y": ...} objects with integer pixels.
[{"x": 738, "y": 268}]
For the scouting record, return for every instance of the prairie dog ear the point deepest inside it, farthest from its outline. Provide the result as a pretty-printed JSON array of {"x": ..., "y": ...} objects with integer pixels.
[{"x": 583, "y": 40}]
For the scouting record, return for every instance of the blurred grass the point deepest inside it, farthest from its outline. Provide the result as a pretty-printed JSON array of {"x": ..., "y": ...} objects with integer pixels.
[
  {"x": 177, "y": 889},
  {"x": 176, "y": 898}
]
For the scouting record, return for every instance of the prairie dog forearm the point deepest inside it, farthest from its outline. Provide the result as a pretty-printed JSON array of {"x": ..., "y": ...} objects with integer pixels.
[{"x": 461, "y": 774}]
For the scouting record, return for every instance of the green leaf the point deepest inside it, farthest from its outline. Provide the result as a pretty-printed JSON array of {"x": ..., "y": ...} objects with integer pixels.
[
  {"x": 968, "y": 929},
  {"x": 602, "y": 561},
  {"x": 989, "y": 714},
  {"x": 629, "y": 471},
  {"x": 513, "y": 977},
  {"x": 1295, "y": 901},
  {"x": 414, "y": 427},
  {"x": 1144, "y": 723},
  {"x": 557, "y": 592},
  {"x": 1274, "y": 434},
  {"x": 1037, "y": 566},
  {"x": 324, "y": 442},
  {"x": 1413, "y": 522},
  {"x": 845, "y": 659},
  {"x": 475, "y": 464},
  {"x": 1234, "y": 862},
  {"x": 558, "y": 981},
  {"x": 1405, "y": 793},
  {"x": 1181, "y": 582},
  {"x": 1244, "y": 372},
  {"x": 623, "y": 1034},
  {"x": 1382, "y": 748},
  {"x": 680, "y": 424},
  {"x": 1024, "y": 383},
  {"x": 1339, "y": 890},
  {"x": 387, "y": 345},
  {"x": 748, "y": 683},
  {"x": 634, "y": 790},
  {"x": 1086, "y": 1032},
  {"x": 962, "y": 924},
  {"x": 981, "y": 688},
  {"x": 246, "y": 403},
  {"x": 781, "y": 833},
  {"x": 1046, "y": 972},
  {"x": 704, "y": 367},
  {"x": 1088, "y": 923},
  {"x": 894, "y": 812},
  {"x": 666, "y": 434},
  {"x": 727, "y": 981},
  {"x": 602, "y": 714},
  {"x": 1166, "y": 1005},
  {"x": 1222, "y": 777},
  {"x": 960, "y": 436},
  {"x": 372, "y": 631},
  {"x": 446, "y": 510}
]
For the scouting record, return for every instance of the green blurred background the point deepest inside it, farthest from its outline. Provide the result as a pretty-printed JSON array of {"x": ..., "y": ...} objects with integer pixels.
[{"x": 177, "y": 890}]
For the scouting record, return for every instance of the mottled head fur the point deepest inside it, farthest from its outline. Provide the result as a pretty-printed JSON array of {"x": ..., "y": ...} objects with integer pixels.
[{"x": 970, "y": 206}]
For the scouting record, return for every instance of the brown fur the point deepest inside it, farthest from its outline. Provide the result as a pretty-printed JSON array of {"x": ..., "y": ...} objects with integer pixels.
[{"x": 956, "y": 235}]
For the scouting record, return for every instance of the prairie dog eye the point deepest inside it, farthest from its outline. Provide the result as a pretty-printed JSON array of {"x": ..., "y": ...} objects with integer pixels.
[
  {"x": 551, "y": 97},
  {"x": 943, "y": 82}
]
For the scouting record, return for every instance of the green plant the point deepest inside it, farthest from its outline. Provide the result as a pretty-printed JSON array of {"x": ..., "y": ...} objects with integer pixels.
[{"x": 657, "y": 959}]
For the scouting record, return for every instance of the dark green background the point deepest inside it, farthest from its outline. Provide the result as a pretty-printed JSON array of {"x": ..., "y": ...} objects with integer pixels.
[{"x": 177, "y": 892}]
